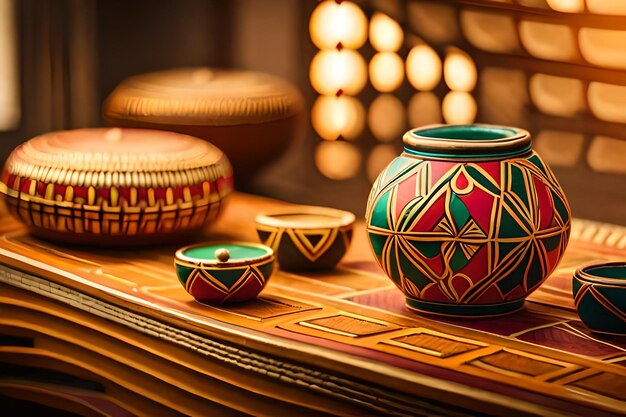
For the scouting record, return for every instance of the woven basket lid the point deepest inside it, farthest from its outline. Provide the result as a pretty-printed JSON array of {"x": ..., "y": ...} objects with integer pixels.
[
  {"x": 204, "y": 96},
  {"x": 120, "y": 157}
]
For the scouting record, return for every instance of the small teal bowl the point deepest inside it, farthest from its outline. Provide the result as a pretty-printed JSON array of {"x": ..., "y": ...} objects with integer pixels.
[
  {"x": 223, "y": 273},
  {"x": 600, "y": 297}
]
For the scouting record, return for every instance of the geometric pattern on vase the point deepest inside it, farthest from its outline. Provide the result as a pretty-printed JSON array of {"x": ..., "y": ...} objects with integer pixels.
[
  {"x": 468, "y": 233},
  {"x": 119, "y": 186},
  {"x": 158, "y": 213},
  {"x": 224, "y": 285},
  {"x": 311, "y": 243},
  {"x": 601, "y": 306},
  {"x": 302, "y": 249}
]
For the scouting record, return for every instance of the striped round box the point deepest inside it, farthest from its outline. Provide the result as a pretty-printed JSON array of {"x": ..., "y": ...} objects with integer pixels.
[{"x": 115, "y": 186}]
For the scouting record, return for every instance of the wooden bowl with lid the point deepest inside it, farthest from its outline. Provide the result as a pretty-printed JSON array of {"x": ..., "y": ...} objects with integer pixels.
[
  {"x": 115, "y": 186},
  {"x": 251, "y": 116}
]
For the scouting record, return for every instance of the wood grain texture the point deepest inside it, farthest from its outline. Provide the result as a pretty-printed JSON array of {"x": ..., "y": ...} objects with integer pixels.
[
  {"x": 605, "y": 383},
  {"x": 514, "y": 363},
  {"x": 433, "y": 344},
  {"x": 348, "y": 325},
  {"x": 361, "y": 352}
]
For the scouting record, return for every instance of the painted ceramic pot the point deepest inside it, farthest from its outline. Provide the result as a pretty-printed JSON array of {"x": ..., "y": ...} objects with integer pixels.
[
  {"x": 251, "y": 116},
  {"x": 221, "y": 273},
  {"x": 468, "y": 220},
  {"x": 307, "y": 238},
  {"x": 600, "y": 297},
  {"x": 112, "y": 187}
]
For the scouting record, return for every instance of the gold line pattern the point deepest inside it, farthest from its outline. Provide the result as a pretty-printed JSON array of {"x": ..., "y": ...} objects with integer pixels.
[
  {"x": 507, "y": 355},
  {"x": 349, "y": 325},
  {"x": 68, "y": 217},
  {"x": 432, "y": 343}
]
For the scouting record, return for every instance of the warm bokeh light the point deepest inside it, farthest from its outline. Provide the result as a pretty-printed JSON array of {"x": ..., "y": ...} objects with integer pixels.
[
  {"x": 607, "y": 101},
  {"x": 424, "y": 109},
  {"x": 610, "y": 7},
  {"x": 337, "y": 160},
  {"x": 549, "y": 41},
  {"x": 459, "y": 70},
  {"x": 423, "y": 68},
  {"x": 332, "y": 23},
  {"x": 559, "y": 148},
  {"x": 493, "y": 32},
  {"x": 557, "y": 96},
  {"x": 386, "y": 118},
  {"x": 459, "y": 108},
  {"x": 386, "y": 35},
  {"x": 386, "y": 71},
  {"x": 503, "y": 96},
  {"x": 532, "y": 3},
  {"x": 568, "y": 6},
  {"x": 433, "y": 21},
  {"x": 334, "y": 117},
  {"x": 603, "y": 47},
  {"x": 607, "y": 154},
  {"x": 334, "y": 72},
  {"x": 378, "y": 160},
  {"x": 9, "y": 68}
]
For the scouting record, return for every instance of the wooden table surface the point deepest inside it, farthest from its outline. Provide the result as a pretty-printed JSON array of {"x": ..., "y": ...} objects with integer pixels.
[{"x": 334, "y": 343}]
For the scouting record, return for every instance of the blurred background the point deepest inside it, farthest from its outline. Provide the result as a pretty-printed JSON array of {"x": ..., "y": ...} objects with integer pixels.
[{"x": 369, "y": 70}]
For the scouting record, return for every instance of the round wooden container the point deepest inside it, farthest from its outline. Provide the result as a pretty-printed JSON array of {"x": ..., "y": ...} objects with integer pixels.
[
  {"x": 251, "y": 116},
  {"x": 115, "y": 186}
]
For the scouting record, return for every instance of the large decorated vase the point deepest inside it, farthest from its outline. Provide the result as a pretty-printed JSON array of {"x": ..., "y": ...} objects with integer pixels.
[{"x": 468, "y": 220}]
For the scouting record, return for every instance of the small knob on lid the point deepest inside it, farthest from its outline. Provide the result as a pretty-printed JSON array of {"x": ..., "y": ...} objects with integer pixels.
[{"x": 222, "y": 254}]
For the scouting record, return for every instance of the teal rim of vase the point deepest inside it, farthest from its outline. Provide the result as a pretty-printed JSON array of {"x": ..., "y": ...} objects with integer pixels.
[{"x": 469, "y": 141}]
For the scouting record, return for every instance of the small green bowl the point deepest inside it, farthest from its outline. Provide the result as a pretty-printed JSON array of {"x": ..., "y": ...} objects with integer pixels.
[
  {"x": 306, "y": 238},
  {"x": 600, "y": 297},
  {"x": 227, "y": 272}
]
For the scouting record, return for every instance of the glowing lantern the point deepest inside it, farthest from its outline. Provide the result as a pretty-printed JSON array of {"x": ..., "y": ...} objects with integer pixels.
[
  {"x": 335, "y": 23},
  {"x": 459, "y": 71},
  {"x": 423, "y": 68},
  {"x": 459, "y": 107},
  {"x": 424, "y": 109},
  {"x": 337, "y": 72},
  {"x": 568, "y": 6},
  {"x": 386, "y": 118},
  {"x": 334, "y": 117},
  {"x": 337, "y": 160},
  {"x": 386, "y": 35},
  {"x": 386, "y": 71}
]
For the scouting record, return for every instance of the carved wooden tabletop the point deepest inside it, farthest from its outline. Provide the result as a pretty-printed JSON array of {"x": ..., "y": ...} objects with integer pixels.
[{"x": 339, "y": 342}]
